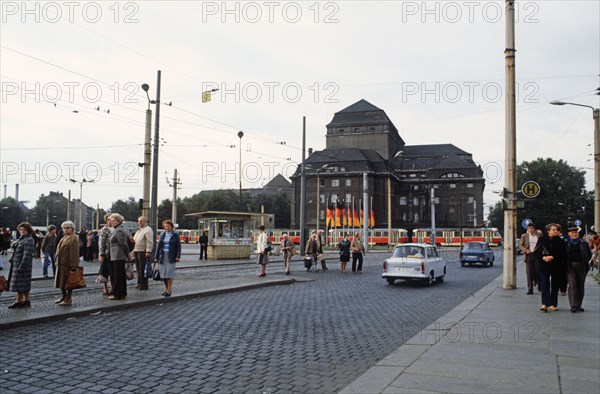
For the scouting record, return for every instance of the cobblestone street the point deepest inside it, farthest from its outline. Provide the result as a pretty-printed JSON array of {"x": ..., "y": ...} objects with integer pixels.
[{"x": 312, "y": 336}]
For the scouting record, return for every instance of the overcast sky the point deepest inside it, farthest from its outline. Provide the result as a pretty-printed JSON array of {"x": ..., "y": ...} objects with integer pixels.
[{"x": 72, "y": 106}]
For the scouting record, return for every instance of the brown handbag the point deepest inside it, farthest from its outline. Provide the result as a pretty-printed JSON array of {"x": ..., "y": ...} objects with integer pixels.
[
  {"x": 3, "y": 284},
  {"x": 75, "y": 279}
]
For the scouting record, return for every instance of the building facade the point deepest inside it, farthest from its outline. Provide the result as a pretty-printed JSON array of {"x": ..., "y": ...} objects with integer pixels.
[{"x": 361, "y": 139}]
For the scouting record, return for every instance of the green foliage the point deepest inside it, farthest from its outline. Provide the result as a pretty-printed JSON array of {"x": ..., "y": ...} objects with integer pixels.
[
  {"x": 11, "y": 214},
  {"x": 129, "y": 209},
  {"x": 562, "y": 197}
]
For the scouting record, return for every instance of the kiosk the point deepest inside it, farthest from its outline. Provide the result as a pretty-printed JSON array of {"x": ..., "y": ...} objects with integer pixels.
[{"x": 230, "y": 234}]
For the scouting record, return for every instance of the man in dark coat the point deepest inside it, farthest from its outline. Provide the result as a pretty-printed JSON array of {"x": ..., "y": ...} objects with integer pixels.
[
  {"x": 577, "y": 257},
  {"x": 203, "y": 241}
]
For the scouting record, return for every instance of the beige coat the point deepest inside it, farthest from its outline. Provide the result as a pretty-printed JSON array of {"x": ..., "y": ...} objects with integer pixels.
[{"x": 67, "y": 256}]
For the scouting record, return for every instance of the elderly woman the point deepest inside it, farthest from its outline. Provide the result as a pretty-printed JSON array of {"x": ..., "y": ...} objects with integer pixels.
[
  {"x": 119, "y": 250},
  {"x": 67, "y": 257},
  {"x": 168, "y": 252},
  {"x": 287, "y": 246},
  {"x": 104, "y": 255},
  {"x": 262, "y": 259},
  {"x": 21, "y": 266}
]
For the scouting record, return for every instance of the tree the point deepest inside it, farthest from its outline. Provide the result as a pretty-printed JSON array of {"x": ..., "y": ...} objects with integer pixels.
[
  {"x": 562, "y": 197},
  {"x": 51, "y": 208},
  {"x": 11, "y": 213},
  {"x": 129, "y": 209}
]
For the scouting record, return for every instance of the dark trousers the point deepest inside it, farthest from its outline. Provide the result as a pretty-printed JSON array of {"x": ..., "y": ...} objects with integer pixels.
[
  {"x": 550, "y": 285},
  {"x": 355, "y": 257},
  {"x": 532, "y": 274},
  {"x": 576, "y": 277},
  {"x": 119, "y": 289},
  {"x": 140, "y": 266},
  {"x": 204, "y": 251}
]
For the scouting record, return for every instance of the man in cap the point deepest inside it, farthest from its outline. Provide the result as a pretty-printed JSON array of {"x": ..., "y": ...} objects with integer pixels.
[{"x": 577, "y": 257}]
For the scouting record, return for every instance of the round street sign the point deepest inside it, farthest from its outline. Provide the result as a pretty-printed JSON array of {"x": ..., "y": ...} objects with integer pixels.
[
  {"x": 530, "y": 189},
  {"x": 525, "y": 222},
  {"x": 577, "y": 222}
]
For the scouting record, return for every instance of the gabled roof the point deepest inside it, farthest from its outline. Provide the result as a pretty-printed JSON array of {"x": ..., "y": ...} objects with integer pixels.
[
  {"x": 360, "y": 113},
  {"x": 360, "y": 106},
  {"x": 277, "y": 182},
  {"x": 352, "y": 160},
  {"x": 433, "y": 150}
]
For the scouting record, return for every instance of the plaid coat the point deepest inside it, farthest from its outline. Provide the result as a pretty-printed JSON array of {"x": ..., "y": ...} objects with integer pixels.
[{"x": 22, "y": 264}]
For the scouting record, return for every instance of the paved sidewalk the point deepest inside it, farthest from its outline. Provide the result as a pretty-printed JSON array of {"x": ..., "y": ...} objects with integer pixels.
[
  {"x": 497, "y": 341},
  {"x": 91, "y": 301}
]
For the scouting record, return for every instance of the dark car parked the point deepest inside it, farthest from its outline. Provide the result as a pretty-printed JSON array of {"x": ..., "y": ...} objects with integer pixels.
[{"x": 476, "y": 253}]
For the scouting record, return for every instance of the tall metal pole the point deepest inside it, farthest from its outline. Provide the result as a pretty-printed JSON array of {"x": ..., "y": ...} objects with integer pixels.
[
  {"x": 596, "y": 159},
  {"x": 69, "y": 206},
  {"x": 597, "y": 170},
  {"x": 510, "y": 211},
  {"x": 389, "y": 213},
  {"x": 174, "y": 205},
  {"x": 147, "y": 161},
  {"x": 303, "y": 188},
  {"x": 241, "y": 134},
  {"x": 80, "y": 204},
  {"x": 365, "y": 211},
  {"x": 318, "y": 200},
  {"x": 432, "y": 216},
  {"x": 154, "y": 202}
]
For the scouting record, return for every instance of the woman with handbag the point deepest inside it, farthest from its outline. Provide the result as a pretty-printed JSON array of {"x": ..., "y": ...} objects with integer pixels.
[
  {"x": 344, "y": 247},
  {"x": 119, "y": 252},
  {"x": 168, "y": 252},
  {"x": 67, "y": 258},
  {"x": 21, "y": 266}
]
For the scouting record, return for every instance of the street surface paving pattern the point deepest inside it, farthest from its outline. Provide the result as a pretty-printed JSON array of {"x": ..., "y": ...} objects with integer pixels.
[{"x": 316, "y": 335}]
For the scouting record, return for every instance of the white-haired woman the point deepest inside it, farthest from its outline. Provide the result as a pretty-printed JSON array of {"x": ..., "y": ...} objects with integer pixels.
[
  {"x": 119, "y": 250},
  {"x": 67, "y": 257}
]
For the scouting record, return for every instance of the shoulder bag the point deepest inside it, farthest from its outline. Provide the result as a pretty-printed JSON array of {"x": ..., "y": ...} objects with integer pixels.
[{"x": 75, "y": 279}]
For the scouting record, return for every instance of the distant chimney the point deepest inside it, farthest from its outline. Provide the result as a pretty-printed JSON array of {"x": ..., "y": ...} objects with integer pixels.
[
  {"x": 17, "y": 192},
  {"x": 309, "y": 151}
]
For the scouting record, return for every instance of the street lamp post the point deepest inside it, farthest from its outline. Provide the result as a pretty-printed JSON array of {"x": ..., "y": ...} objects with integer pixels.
[
  {"x": 596, "y": 112},
  {"x": 154, "y": 197},
  {"x": 81, "y": 197},
  {"x": 147, "y": 155},
  {"x": 240, "y": 134}
]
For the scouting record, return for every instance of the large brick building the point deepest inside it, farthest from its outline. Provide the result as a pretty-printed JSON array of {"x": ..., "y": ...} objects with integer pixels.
[{"x": 362, "y": 139}]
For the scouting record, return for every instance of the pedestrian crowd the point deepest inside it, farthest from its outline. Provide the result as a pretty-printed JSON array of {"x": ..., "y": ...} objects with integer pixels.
[
  {"x": 116, "y": 251},
  {"x": 557, "y": 264}
]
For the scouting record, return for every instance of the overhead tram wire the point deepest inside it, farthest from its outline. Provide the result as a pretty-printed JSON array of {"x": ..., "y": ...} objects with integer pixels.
[{"x": 250, "y": 135}]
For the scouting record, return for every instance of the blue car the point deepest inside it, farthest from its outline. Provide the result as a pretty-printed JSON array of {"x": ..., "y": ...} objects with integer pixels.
[{"x": 476, "y": 253}]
